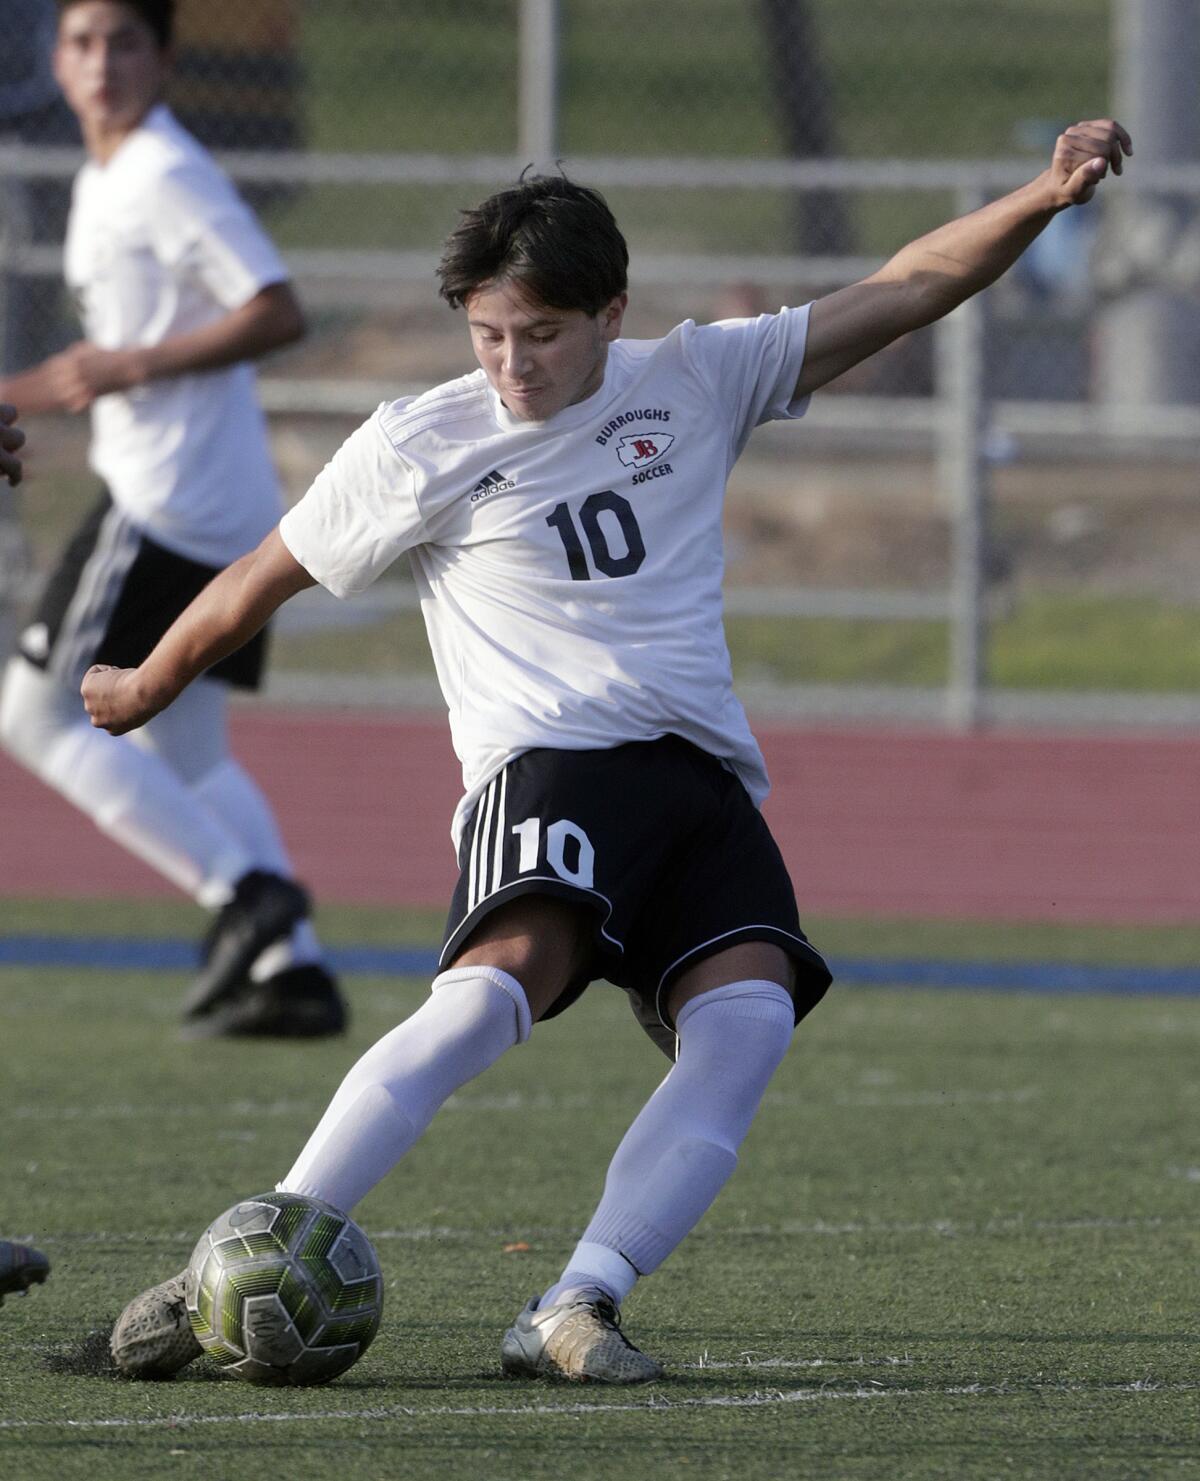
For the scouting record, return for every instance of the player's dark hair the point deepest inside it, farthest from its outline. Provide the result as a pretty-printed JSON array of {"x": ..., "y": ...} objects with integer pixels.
[
  {"x": 159, "y": 15},
  {"x": 555, "y": 240}
]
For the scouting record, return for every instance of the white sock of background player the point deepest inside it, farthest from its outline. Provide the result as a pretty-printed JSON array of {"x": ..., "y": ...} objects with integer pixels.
[
  {"x": 192, "y": 736},
  {"x": 170, "y": 793},
  {"x": 681, "y": 1149},
  {"x": 130, "y": 793},
  {"x": 472, "y": 1015},
  {"x": 233, "y": 796}
]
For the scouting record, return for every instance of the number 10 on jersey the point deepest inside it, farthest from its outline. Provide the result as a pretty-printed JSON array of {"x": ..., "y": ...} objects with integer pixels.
[{"x": 596, "y": 531}]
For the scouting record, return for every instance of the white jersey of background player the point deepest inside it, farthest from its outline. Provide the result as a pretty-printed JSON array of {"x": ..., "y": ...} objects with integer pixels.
[
  {"x": 560, "y": 629},
  {"x": 179, "y": 289}
]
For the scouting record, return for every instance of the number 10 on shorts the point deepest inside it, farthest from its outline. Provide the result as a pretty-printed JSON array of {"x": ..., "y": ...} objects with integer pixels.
[{"x": 569, "y": 850}]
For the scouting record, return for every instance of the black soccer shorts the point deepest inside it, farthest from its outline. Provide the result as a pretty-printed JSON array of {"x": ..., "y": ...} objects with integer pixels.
[
  {"x": 660, "y": 841},
  {"x": 112, "y": 596}
]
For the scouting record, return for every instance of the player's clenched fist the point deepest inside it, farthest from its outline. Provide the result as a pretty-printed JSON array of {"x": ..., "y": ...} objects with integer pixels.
[
  {"x": 112, "y": 699},
  {"x": 1083, "y": 156}
]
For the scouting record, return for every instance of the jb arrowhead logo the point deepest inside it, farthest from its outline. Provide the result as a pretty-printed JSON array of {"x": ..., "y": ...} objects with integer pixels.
[{"x": 642, "y": 448}]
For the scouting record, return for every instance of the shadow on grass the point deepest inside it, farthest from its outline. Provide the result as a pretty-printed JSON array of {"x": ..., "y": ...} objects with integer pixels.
[{"x": 87, "y": 1357}]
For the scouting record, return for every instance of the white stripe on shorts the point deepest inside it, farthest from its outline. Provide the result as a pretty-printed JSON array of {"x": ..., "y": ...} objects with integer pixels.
[
  {"x": 478, "y": 884},
  {"x": 485, "y": 866},
  {"x": 95, "y": 597},
  {"x": 501, "y": 817}
]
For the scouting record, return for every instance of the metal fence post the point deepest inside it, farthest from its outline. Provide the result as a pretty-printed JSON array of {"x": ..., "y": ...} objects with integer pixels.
[
  {"x": 537, "y": 125},
  {"x": 1150, "y": 331},
  {"x": 16, "y": 233},
  {"x": 962, "y": 471}
]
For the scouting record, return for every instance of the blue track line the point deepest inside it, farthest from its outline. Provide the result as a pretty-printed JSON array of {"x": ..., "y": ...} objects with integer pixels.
[{"x": 130, "y": 954}]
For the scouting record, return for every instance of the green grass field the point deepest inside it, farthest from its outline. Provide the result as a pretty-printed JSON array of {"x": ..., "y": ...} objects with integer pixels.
[{"x": 962, "y": 1241}]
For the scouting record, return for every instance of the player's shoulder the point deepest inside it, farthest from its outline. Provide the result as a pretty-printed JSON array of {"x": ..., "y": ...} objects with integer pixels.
[
  {"x": 672, "y": 354},
  {"x": 162, "y": 152},
  {"x": 721, "y": 345},
  {"x": 456, "y": 408},
  {"x": 631, "y": 355}
]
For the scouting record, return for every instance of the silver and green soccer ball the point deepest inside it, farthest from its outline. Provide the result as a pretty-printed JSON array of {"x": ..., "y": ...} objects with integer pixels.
[{"x": 284, "y": 1289}]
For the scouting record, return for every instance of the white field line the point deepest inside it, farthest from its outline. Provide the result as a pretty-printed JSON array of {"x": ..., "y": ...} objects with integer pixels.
[
  {"x": 944, "y": 1228},
  {"x": 652, "y": 1405},
  {"x": 750, "y": 1363}
]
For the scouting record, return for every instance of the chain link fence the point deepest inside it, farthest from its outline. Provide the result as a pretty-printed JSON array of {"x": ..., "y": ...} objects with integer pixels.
[{"x": 996, "y": 518}]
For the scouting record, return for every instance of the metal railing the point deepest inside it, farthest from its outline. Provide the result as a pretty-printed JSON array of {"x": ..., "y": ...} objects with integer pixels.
[{"x": 958, "y": 422}]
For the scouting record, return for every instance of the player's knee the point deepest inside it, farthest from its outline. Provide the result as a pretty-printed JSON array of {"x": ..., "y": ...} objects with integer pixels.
[
  {"x": 740, "y": 1020},
  {"x": 481, "y": 993},
  {"x": 539, "y": 940}
]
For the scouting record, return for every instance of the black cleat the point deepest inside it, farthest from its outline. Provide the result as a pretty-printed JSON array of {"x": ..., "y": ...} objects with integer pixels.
[
  {"x": 263, "y": 910},
  {"x": 299, "y": 1003},
  {"x": 21, "y": 1266}
]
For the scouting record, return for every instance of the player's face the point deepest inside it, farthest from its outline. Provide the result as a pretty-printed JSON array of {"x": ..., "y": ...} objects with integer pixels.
[
  {"x": 540, "y": 359},
  {"x": 109, "y": 65}
]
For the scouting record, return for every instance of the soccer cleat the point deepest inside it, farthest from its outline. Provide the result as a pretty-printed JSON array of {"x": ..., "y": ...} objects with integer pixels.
[
  {"x": 263, "y": 910},
  {"x": 579, "y": 1339},
  {"x": 153, "y": 1337},
  {"x": 299, "y": 1003},
  {"x": 21, "y": 1266}
]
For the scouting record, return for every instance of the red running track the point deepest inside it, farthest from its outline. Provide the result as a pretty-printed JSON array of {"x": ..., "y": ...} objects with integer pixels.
[{"x": 1018, "y": 826}]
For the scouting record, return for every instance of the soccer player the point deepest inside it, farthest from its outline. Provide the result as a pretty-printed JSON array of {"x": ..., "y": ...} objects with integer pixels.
[
  {"x": 180, "y": 289},
  {"x": 562, "y": 510}
]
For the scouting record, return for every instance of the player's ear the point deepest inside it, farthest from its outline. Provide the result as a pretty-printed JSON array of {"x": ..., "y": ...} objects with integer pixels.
[{"x": 612, "y": 316}]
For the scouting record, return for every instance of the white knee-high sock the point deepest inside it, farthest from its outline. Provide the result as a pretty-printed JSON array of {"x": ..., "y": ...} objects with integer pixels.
[
  {"x": 232, "y": 795},
  {"x": 192, "y": 736},
  {"x": 472, "y": 1015},
  {"x": 132, "y": 795},
  {"x": 681, "y": 1149}
]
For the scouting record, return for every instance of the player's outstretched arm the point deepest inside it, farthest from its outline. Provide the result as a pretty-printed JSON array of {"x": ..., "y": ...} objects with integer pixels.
[
  {"x": 226, "y": 614},
  {"x": 934, "y": 274},
  {"x": 76, "y": 376},
  {"x": 12, "y": 440}
]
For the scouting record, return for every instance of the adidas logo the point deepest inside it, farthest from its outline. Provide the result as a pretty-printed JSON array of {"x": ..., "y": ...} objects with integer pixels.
[{"x": 491, "y": 483}]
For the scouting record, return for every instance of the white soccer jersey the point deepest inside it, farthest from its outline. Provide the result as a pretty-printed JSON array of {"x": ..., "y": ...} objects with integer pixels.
[
  {"x": 569, "y": 570},
  {"x": 158, "y": 244}
]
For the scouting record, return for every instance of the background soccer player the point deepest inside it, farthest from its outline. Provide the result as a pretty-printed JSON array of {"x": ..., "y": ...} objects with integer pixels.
[
  {"x": 562, "y": 510},
  {"x": 179, "y": 288}
]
